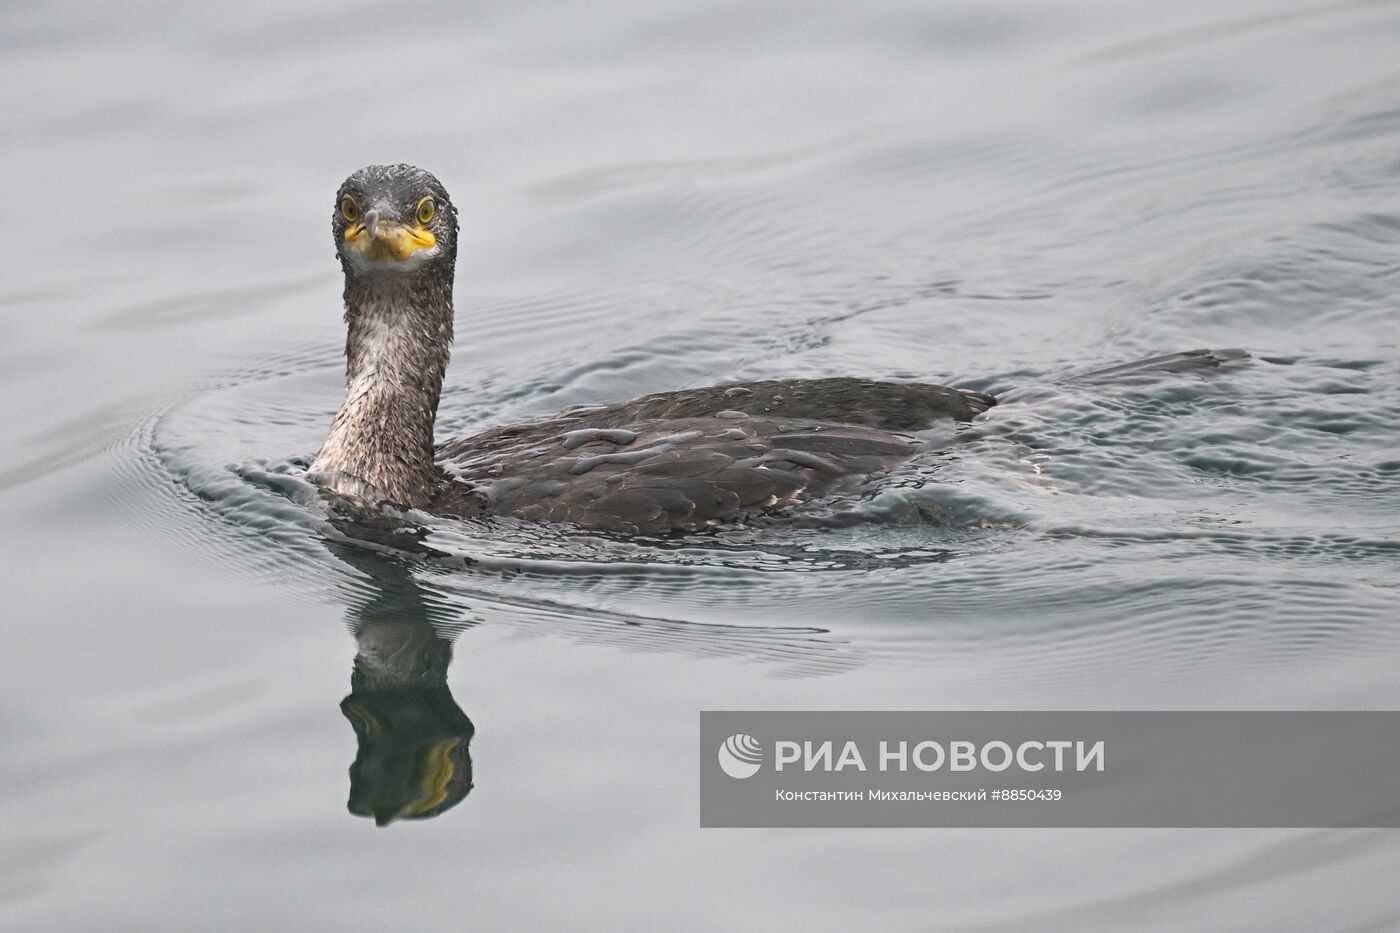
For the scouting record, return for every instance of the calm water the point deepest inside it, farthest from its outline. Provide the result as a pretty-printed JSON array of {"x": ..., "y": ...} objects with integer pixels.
[{"x": 993, "y": 194}]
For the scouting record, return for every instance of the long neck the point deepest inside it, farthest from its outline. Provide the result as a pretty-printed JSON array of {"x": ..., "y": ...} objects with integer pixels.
[{"x": 396, "y": 351}]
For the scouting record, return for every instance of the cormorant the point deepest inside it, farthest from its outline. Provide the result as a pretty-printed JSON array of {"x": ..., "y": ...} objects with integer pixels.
[{"x": 670, "y": 462}]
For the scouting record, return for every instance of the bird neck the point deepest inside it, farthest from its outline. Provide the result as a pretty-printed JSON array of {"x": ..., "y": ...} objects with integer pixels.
[{"x": 396, "y": 350}]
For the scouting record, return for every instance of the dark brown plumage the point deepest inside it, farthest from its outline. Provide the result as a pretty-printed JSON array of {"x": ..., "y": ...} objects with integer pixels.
[
  {"x": 671, "y": 462},
  {"x": 683, "y": 461}
]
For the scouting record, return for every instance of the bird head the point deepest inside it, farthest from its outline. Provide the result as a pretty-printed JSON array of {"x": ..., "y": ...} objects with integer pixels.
[{"x": 394, "y": 220}]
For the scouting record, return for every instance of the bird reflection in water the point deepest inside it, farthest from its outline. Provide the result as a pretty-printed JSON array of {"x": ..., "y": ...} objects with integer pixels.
[{"x": 413, "y": 759}]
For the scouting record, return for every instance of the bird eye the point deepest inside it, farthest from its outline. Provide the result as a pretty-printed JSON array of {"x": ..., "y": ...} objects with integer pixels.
[
  {"x": 426, "y": 207},
  {"x": 349, "y": 209}
]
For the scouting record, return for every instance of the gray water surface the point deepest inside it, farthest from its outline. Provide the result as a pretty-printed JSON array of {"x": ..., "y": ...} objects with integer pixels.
[{"x": 998, "y": 195}]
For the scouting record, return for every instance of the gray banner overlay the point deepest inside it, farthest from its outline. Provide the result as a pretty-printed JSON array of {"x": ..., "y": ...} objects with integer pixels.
[{"x": 1053, "y": 769}]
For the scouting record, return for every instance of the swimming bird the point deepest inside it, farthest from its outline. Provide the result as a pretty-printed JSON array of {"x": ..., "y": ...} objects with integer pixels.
[{"x": 671, "y": 462}]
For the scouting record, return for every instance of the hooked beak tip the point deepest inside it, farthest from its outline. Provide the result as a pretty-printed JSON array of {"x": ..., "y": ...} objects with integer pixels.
[{"x": 371, "y": 223}]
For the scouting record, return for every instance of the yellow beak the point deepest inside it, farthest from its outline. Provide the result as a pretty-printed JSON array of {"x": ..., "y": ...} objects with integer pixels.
[{"x": 387, "y": 240}]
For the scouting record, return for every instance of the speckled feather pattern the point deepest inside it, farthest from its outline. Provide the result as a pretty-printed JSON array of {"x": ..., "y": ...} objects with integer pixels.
[
  {"x": 400, "y": 335},
  {"x": 398, "y": 340}
]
